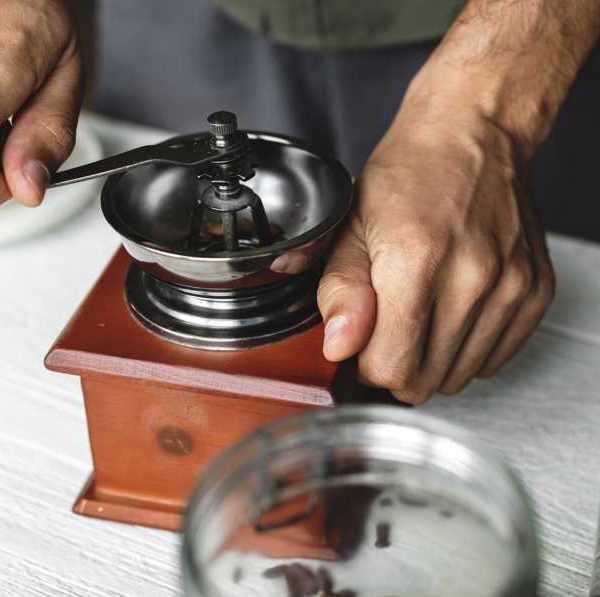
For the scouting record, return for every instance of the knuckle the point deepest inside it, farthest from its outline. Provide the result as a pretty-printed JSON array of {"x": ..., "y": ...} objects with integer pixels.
[
  {"x": 381, "y": 375},
  {"x": 410, "y": 396},
  {"x": 422, "y": 391},
  {"x": 425, "y": 259},
  {"x": 479, "y": 271},
  {"x": 393, "y": 263},
  {"x": 518, "y": 281},
  {"x": 424, "y": 245}
]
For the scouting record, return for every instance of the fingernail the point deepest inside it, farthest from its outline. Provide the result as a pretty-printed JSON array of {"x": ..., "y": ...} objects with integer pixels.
[
  {"x": 333, "y": 331},
  {"x": 37, "y": 174},
  {"x": 280, "y": 264}
]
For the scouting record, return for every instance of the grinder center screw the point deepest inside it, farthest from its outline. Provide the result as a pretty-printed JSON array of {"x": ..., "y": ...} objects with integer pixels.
[
  {"x": 227, "y": 196},
  {"x": 222, "y": 124}
]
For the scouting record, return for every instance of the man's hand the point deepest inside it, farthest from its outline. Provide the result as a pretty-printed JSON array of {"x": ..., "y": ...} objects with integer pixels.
[
  {"x": 41, "y": 82},
  {"x": 442, "y": 271}
]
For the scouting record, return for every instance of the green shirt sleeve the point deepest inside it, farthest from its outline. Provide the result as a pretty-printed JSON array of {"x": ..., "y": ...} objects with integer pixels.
[{"x": 344, "y": 24}]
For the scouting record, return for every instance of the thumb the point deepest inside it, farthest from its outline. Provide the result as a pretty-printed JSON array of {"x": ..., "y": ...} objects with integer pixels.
[{"x": 346, "y": 299}]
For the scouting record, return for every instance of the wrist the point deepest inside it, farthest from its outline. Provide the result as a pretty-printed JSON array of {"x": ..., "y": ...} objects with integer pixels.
[
  {"x": 511, "y": 63},
  {"x": 447, "y": 96}
]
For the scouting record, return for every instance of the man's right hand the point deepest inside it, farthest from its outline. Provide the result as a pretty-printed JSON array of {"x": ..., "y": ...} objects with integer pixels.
[{"x": 41, "y": 83}]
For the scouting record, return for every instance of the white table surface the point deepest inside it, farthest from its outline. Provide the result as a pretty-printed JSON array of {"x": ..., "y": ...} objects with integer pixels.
[{"x": 543, "y": 411}]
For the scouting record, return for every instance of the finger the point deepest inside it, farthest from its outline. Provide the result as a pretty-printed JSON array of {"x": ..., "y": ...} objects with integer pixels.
[
  {"x": 467, "y": 285},
  {"x": 403, "y": 281},
  {"x": 43, "y": 133},
  {"x": 5, "y": 193},
  {"x": 532, "y": 310},
  {"x": 5, "y": 129},
  {"x": 522, "y": 326},
  {"x": 345, "y": 296},
  {"x": 497, "y": 313}
]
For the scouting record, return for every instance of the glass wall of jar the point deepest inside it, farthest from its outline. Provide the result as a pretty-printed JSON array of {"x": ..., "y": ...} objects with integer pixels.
[{"x": 360, "y": 502}]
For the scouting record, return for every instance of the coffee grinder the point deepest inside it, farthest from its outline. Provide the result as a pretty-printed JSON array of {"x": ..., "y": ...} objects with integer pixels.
[{"x": 204, "y": 325}]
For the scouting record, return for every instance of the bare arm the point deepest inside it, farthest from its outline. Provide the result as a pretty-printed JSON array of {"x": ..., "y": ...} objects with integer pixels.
[{"x": 516, "y": 59}]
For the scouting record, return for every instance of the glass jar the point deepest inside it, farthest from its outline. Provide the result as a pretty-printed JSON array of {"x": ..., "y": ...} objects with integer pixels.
[{"x": 360, "y": 502}]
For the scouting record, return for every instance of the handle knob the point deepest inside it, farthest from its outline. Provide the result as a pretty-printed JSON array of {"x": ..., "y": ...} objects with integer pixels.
[{"x": 222, "y": 124}]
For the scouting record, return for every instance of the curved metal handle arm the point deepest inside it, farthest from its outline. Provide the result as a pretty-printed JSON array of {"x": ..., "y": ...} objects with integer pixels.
[
  {"x": 117, "y": 163},
  {"x": 188, "y": 150}
]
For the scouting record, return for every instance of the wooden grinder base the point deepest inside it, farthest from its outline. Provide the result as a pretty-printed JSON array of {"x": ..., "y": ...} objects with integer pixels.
[{"x": 158, "y": 412}]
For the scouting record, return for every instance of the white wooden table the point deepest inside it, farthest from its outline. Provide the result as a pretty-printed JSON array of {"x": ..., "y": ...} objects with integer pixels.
[{"x": 543, "y": 410}]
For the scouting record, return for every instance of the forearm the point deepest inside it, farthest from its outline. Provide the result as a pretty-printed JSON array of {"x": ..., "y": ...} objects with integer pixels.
[{"x": 516, "y": 59}]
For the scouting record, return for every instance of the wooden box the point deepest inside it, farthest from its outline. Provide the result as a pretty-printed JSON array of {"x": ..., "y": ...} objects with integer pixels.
[{"x": 158, "y": 412}]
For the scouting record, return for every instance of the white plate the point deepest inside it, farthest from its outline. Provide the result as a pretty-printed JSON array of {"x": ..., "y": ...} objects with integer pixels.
[{"x": 61, "y": 204}]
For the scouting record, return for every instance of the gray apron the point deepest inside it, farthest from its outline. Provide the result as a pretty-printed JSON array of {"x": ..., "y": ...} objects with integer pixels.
[{"x": 170, "y": 64}]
